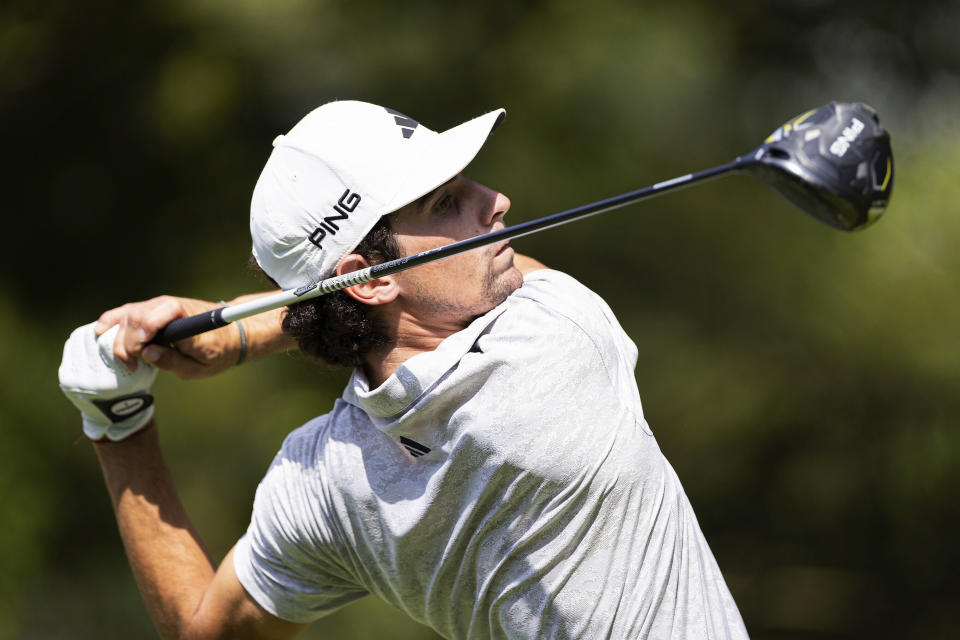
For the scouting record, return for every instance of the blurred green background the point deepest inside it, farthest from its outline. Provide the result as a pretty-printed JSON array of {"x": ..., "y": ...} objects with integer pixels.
[{"x": 803, "y": 382}]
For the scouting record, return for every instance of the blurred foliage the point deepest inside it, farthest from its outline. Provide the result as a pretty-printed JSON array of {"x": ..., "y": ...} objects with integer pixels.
[{"x": 803, "y": 382}]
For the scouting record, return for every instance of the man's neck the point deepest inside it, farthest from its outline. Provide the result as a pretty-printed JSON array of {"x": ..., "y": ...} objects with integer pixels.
[
  {"x": 411, "y": 336},
  {"x": 422, "y": 328}
]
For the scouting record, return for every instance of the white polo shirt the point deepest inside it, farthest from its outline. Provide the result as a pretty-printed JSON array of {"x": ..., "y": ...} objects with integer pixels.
[{"x": 504, "y": 485}]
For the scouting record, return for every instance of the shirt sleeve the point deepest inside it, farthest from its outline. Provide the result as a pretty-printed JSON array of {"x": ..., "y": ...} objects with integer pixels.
[{"x": 287, "y": 560}]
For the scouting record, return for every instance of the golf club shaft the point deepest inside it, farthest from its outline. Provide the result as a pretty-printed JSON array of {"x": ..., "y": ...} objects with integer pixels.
[{"x": 194, "y": 325}]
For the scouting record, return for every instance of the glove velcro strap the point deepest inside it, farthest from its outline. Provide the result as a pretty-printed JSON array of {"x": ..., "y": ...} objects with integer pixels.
[{"x": 123, "y": 407}]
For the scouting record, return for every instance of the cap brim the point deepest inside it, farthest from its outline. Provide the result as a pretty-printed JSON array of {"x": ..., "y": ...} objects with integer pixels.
[{"x": 444, "y": 156}]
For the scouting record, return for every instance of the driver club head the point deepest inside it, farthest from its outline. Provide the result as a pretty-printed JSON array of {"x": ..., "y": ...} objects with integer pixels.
[{"x": 834, "y": 163}]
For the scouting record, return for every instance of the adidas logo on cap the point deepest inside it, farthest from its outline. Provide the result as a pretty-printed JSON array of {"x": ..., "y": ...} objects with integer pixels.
[{"x": 407, "y": 125}]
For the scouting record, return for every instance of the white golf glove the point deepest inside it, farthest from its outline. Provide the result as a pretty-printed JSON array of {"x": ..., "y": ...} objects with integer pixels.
[{"x": 114, "y": 402}]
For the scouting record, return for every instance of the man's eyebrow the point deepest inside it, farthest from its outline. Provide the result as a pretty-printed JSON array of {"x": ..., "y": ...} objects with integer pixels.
[{"x": 426, "y": 198}]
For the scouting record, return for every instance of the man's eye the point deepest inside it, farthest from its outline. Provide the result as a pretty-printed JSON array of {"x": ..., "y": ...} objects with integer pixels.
[{"x": 443, "y": 204}]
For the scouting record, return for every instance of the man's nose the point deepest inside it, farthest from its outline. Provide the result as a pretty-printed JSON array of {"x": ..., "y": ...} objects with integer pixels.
[{"x": 497, "y": 207}]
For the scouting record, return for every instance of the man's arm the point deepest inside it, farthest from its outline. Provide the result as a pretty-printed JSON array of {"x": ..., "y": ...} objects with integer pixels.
[
  {"x": 186, "y": 596},
  {"x": 200, "y": 356}
]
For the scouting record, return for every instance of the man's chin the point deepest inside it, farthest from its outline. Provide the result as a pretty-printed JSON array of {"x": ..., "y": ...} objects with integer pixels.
[{"x": 502, "y": 286}]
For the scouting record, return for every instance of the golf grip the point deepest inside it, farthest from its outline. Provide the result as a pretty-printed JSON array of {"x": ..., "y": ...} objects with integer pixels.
[{"x": 186, "y": 327}]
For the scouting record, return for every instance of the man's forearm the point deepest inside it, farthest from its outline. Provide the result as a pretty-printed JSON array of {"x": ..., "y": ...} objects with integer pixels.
[
  {"x": 170, "y": 564},
  {"x": 264, "y": 333}
]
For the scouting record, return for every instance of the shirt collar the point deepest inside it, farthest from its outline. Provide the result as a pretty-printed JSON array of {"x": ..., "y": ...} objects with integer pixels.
[{"x": 412, "y": 379}]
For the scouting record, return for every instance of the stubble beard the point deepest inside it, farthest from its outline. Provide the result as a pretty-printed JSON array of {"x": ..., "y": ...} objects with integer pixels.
[{"x": 495, "y": 288}]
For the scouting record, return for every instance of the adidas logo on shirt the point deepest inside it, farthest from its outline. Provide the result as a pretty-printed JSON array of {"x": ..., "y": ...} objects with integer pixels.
[{"x": 415, "y": 448}]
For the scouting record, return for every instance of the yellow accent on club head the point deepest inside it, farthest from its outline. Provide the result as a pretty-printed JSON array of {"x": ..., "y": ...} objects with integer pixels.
[
  {"x": 886, "y": 179},
  {"x": 803, "y": 117},
  {"x": 789, "y": 125}
]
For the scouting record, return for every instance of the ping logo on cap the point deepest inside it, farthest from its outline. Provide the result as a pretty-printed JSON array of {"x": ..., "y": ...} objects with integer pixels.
[
  {"x": 407, "y": 125},
  {"x": 345, "y": 206}
]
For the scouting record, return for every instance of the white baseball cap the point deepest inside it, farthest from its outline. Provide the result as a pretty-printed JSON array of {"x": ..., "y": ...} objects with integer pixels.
[{"x": 341, "y": 168}]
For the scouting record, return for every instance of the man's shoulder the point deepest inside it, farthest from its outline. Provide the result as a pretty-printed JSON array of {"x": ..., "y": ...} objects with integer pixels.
[
  {"x": 555, "y": 312},
  {"x": 547, "y": 281},
  {"x": 308, "y": 438},
  {"x": 552, "y": 301}
]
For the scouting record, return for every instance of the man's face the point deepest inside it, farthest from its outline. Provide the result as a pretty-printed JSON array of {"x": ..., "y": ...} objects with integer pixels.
[{"x": 457, "y": 289}]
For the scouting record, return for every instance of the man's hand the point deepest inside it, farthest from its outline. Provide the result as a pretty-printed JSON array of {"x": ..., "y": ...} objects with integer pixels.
[
  {"x": 198, "y": 357},
  {"x": 115, "y": 403}
]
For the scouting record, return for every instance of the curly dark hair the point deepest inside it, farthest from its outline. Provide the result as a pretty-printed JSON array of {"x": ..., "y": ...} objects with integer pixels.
[{"x": 336, "y": 329}]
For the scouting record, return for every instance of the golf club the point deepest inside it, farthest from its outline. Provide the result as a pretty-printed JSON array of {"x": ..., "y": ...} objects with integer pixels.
[{"x": 834, "y": 163}]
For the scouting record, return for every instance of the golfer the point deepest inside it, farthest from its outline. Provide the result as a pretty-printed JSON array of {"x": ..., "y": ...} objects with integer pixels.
[{"x": 487, "y": 470}]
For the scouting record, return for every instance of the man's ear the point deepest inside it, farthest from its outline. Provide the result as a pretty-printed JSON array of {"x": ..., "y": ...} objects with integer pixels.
[{"x": 376, "y": 291}]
